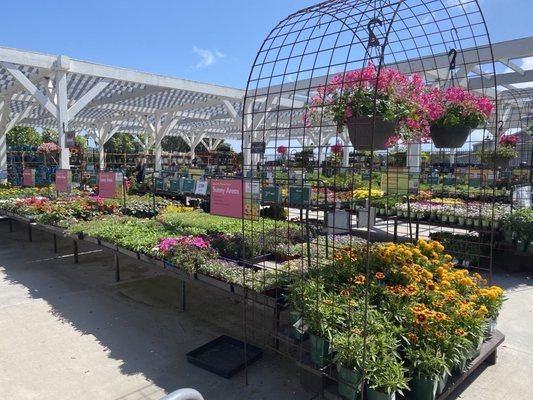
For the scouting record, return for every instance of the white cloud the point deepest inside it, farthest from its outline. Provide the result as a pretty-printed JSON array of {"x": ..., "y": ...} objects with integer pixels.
[{"x": 207, "y": 57}]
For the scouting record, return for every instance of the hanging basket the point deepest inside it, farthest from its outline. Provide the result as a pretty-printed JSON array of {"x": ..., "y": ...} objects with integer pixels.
[
  {"x": 366, "y": 134},
  {"x": 449, "y": 137},
  {"x": 501, "y": 162}
]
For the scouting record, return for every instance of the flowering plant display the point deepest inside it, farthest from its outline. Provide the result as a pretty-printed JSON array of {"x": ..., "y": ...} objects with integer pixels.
[
  {"x": 48, "y": 147},
  {"x": 397, "y": 97},
  {"x": 436, "y": 312},
  {"x": 456, "y": 106},
  {"x": 282, "y": 150},
  {"x": 186, "y": 252},
  {"x": 509, "y": 140},
  {"x": 336, "y": 148}
]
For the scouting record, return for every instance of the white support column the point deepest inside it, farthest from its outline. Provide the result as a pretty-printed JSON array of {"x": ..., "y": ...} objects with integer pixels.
[
  {"x": 4, "y": 117},
  {"x": 414, "y": 157},
  {"x": 346, "y": 151},
  {"x": 62, "y": 109}
]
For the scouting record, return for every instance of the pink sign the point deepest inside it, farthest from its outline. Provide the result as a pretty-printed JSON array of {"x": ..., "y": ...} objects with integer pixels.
[
  {"x": 63, "y": 180},
  {"x": 28, "y": 177},
  {"x": 107, "y": 185},
  {"x": 227, "y": 197}
]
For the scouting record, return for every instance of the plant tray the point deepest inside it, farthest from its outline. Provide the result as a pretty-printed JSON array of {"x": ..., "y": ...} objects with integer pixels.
[{"x": 224, "y": 356}]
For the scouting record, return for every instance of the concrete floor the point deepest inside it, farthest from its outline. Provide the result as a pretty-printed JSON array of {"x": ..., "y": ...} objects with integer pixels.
[{"x": 67, "y": 331}]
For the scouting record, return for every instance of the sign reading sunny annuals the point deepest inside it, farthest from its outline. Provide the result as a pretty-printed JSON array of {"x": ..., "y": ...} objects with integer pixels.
[
  {"x": 227, "y": 197},
  {"x": 63, "y": 180}
]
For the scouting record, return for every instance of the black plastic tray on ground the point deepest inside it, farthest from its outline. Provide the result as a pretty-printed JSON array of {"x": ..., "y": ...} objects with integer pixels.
[{"x": 224, "y": 356}]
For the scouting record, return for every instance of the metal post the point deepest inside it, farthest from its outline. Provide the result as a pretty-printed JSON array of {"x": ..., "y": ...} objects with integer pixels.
[
  {"x": 30, "y": 237},
  {"x": 183, "y": 296},
  {"x": 75, "y": 243},
  {"x": 55, "y": 243},
  {"x": 117, "y": 268},
  {"x": 417, "y": 230},
  {"x": 395, "y": 238}
]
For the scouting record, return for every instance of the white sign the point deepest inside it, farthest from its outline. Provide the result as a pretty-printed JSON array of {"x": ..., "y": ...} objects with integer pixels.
[{"x": 201, "y": 188}]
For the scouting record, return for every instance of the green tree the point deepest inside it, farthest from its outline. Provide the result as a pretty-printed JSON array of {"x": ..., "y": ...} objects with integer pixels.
[
  {"x": 50, "y": 135},
  {"x": 81, "y": 142},
  {"x": 23, "y": 136},
  {"x": 174, "y": 144},
  {"x": 122, "y": 143}
]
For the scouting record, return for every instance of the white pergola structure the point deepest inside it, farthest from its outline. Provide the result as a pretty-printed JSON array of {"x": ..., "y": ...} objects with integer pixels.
[{"x": 58, "y": 92}]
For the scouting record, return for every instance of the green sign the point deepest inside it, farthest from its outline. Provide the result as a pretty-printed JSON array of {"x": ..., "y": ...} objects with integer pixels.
[
  {"x": 188, "y": 185},
  {"x": 474, "y": 182},
  {"x": 433, "y": 180},
  {"x": 505, "y": 174},
  {"x": 93, "y": 180},
  {"x": 159, "y": 184},
  {"x": 299, "y": 196},
  {"x": 365, "y": 176},
  {"x": 271, "y": 194},
  {"x": 175, "y": 185}
]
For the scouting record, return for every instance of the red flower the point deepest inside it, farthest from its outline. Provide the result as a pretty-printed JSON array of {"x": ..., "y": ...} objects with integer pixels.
[
  {"x": 336, "y": 148},
  {"x": 282, "y": 149}
]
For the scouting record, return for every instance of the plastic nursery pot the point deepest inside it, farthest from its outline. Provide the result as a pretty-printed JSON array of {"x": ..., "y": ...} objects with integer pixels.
[
  {"x": 452, "y": 219},
  {"x": 349, "y": 381},
  {"x": 420, "y": 216},
  {"x": 491, "y": 327},
  {"x": 423, "y": 389},
  {"x": 477, "y": 351},
  {"x": 372, "y": 394},
  {"x": 485, "y": 223},
  {"x": 449, "y": 137},
  {"x": 468, "y": 222},
  {"x": 476, "y": 222},
  {"x": 444, "y": 218},
  {"x": 443, "y": 380},
  {"x": 367, "y": 133},
  {"x": 381, "y": 211},
  {"x": 499, "y": 162},
  {"x": 319, "y": 351},
  {"x": 432, "y": 215},
  {"x": 460, "y": 220},
  {"x": 460, "y": 367},
  {"x": 295, "y": 334}
]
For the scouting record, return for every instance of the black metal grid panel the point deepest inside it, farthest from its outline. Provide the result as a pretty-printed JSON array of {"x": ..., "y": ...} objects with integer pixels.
[{"x": 446, "y": 44}]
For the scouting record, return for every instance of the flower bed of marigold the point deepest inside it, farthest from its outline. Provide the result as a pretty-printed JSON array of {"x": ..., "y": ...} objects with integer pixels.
[{"x": 421, "y": 319}]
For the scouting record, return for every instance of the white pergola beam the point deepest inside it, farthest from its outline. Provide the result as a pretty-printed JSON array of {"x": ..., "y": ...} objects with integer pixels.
[
  {"x": 87, "y": 98},
  {"x": 30, "y": 87}
]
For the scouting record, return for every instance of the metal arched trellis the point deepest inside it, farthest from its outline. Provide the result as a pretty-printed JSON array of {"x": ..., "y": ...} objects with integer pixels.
[{"x": 367, "y": 122}]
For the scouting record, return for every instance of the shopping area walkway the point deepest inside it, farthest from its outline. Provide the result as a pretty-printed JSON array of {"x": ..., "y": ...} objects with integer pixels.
[{"x": 67, "y": 331}]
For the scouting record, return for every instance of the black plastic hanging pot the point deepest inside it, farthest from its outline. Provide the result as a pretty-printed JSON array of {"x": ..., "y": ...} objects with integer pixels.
[
  {"x": 449, "y": 137},
  {"x": 366, "y": 134}
]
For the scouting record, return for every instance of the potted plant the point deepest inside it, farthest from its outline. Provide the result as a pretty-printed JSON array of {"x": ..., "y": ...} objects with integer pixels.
[
  {"x": 377, "y": 106},
  {"x": 453, "y": 113},
  {"x": 426, "y": 363},
  {"x": 385, "y": 376},
  {"x": 521, "y": 223},
  {"x": 348, "y": 347},
  {"x": 505, "y": 152}
]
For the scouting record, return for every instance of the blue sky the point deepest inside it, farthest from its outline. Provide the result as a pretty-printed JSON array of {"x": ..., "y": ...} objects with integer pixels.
[{"x": 206, "y": 40}]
